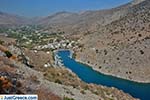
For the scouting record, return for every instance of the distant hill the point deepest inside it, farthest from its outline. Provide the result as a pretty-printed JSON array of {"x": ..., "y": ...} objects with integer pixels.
[
  {"x": 69, "y": 22},
  {"x": 11, "y": 20},
  {"x": 85, "y": 21}
]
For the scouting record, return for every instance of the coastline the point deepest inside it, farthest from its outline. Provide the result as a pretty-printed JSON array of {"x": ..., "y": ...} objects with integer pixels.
[
  {"x": 97, "y": 70},
  {"x": 106, "y": 79},
  {"x": 121, "y": 77},
  {"x": 71, "y": 51}
]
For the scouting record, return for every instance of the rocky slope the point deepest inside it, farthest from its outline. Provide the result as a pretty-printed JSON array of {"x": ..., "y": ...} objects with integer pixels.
[
  {"x": 121, "y": 48},
  {"x": 49, "y": 83}
]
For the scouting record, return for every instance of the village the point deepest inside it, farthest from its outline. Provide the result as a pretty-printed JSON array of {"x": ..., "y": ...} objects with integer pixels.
[
  {"x": 33, "y": 37},
  {"x": 63, "y": 44},
  {"x": 35, "y": 40}
]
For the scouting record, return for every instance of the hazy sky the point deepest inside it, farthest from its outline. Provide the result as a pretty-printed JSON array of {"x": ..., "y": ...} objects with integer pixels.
[{"x": 32, "y": 8}]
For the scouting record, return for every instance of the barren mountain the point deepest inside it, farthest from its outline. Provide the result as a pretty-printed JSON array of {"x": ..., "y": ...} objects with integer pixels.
[
  {"x": 84, "y": 22},
  {"x": 121, "y": 48},
  {"x": 11, "y": 20}
]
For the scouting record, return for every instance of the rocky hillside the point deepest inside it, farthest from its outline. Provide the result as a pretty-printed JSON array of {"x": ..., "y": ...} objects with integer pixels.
[
  {"x": 50, "y": 83},
  {"x": 121, "y": 48}
]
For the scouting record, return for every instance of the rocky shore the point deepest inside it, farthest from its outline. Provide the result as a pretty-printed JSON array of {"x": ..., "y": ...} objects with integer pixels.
[{"x": 115, "y": 75}]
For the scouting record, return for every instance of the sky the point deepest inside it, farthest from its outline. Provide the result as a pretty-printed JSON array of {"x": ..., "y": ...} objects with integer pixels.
[{"x": 36, "y": 8}]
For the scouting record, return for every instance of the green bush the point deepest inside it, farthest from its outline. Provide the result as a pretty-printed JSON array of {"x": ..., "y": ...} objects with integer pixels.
[
  {"x": 66, "y": 98},
  {"x": 58, "y": 81},
  {"x": 8, "y": 54},
  {"x": 82, "y": 91},
  {"x": 1, "y": 42}
]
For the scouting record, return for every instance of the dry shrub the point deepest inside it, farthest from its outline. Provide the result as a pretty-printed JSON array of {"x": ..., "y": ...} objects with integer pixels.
[
  {"x": 44, "y": 94},
  {"x": 7, "y": 69},
  {"x": 13, "y": 57},
  {"x": 5, "y": 84}
]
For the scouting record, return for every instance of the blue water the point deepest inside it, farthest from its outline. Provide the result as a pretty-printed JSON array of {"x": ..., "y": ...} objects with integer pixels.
[{"x": 87, "y": 74}]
